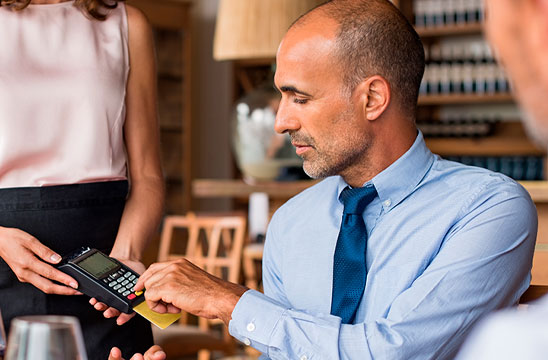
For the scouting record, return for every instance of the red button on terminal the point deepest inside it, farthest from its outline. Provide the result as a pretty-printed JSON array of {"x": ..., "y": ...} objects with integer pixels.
[{"x": 131, "y": 296}]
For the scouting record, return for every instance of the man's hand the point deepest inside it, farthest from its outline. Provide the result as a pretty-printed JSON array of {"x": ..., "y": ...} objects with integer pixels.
[
  {"x": 180, "y": 285},
  {"x": 110, "y": 312},
  {"x": 28, "y": 258},
  {"x": 154, "y": 353}
]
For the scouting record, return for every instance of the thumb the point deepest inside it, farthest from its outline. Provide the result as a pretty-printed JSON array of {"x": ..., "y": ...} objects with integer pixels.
[
  {"x": 155, "y": 353},
  {"x": 115, "y": 354}
]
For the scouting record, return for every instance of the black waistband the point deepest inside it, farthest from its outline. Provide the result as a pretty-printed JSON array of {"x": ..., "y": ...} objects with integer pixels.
[{"x": 62, "y": 196}]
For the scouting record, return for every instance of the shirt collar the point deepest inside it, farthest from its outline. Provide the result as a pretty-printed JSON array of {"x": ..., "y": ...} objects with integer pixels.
[{"x": 399, "y": 180}]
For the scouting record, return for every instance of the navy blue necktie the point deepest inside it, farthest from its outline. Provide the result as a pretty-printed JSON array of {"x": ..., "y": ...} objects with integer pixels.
[{"x": 349, "y": 270}]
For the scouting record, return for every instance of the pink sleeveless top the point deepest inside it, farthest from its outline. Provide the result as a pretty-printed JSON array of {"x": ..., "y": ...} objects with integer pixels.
[{"x": 62, "y": 96}]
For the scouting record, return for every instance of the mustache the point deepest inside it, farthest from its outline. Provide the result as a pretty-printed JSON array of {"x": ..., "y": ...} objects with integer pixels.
[{"x": 300, "y": 138}]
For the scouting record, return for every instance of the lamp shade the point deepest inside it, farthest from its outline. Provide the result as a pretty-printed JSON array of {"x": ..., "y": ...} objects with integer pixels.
[{"x": 253, "y": 29}]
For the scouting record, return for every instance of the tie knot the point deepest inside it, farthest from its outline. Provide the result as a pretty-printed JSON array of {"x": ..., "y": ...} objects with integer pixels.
[{"x": 355, "y": 200}]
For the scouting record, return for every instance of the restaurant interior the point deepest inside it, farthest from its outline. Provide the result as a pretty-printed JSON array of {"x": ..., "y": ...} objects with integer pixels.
[
  {"x": 216, "y": 60},
  {"x": 227, "y": 171}
]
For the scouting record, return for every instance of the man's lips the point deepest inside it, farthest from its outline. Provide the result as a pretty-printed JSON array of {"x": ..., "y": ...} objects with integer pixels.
[{"x": 301, "y": 148}]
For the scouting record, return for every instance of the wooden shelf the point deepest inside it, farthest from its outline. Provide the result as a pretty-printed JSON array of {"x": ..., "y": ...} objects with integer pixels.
[
  {"x": 171, "y": 21},
  {"x": 509, "y": 139},
  {"x": 166, "y": 75},
  {"x": 239, "y": 188},
  {"x": 491, "y": 146},
  {"x": 211, "y": 188},
  {"x": 537, "y": 189},
  {"x": 452, "y": 30},
  {"x": 255, "y": 62},
  {"x": 465, "y": 99},
  {"x": 165, "y": 13},
  {"x": 171, "y": 128}
]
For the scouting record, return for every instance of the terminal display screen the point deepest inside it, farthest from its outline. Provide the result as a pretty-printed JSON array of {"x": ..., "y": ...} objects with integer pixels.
[{"x": 98, "y": 265}]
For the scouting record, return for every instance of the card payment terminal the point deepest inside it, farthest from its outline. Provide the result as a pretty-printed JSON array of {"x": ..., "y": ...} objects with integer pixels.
[{"x": 104, "y": 278}]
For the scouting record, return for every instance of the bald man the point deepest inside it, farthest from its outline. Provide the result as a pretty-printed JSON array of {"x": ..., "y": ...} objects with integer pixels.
[
  {"x": 397, "y": 253},
  {"x": 518, "y": 31}
]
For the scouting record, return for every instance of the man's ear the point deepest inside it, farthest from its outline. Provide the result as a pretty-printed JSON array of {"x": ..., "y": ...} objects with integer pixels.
[{"x": 374, "y": 96}]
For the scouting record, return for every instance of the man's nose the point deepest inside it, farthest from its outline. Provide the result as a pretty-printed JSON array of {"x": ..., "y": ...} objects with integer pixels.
[{"x": 286, "y": 120}]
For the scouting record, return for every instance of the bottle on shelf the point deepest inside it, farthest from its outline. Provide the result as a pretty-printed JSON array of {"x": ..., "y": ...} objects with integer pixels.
[
  {"x": 459, "y": 127},
  {"x": 520, "y": 168},
  {"x": 467, "y": 71},
  {"x": 446, "y": 70},
  {"x": 449, "y": 12},
  {"x": 439, "y": 13},
  {"x": 462, "y": 67}
]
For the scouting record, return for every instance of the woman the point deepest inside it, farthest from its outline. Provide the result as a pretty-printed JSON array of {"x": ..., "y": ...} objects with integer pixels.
[{"x": 77, "y": 121}]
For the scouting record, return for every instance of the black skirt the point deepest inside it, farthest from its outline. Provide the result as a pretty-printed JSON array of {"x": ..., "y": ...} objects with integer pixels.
[{"x": 65, "y": 218}]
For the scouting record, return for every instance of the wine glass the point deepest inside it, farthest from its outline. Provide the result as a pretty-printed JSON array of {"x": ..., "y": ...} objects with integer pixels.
[
  {"x": 45, "y": 337},
  {"x": 2, "y": 337}
]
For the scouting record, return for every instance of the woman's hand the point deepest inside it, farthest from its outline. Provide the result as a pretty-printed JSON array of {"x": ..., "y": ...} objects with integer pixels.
[
  {"x": 154, "y": 353},
  {"x": 30, "y": 260},
  {"x": 110, "y": 312}
]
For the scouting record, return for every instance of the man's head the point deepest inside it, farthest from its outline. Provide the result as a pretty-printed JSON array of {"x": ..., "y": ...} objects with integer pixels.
[
  {"x": 374, "y": 38},
  {"x": 518, "y": 29},
  {"x": 344, "y": 69}
]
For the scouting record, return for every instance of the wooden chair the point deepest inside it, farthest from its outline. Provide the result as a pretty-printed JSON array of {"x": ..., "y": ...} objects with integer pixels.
[
  {"x": 215, "y": 244},
  {"x": 533, "y": 293}
]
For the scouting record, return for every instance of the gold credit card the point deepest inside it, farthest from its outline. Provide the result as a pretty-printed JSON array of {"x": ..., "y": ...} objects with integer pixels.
[{"x": 160, "y": 320}]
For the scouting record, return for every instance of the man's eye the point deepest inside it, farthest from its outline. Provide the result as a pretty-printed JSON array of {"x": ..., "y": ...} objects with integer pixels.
[{"x": 300, "y": 101}]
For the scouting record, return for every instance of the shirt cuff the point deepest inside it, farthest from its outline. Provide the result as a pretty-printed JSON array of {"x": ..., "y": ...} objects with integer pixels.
[{"x": 254, "y": 319}]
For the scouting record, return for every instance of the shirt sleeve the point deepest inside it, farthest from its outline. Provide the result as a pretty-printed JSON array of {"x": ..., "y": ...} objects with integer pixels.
[{"x": 483, "y": 264}]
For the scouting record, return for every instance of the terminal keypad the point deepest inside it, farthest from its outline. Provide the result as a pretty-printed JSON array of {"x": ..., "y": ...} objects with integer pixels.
[{"x": 123, "y": 282}]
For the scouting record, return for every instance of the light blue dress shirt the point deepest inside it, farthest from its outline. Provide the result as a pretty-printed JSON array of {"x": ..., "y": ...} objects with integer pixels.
[{"x": 447, "y": 243}]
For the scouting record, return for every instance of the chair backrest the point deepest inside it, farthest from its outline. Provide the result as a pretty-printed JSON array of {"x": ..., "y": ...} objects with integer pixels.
[
  {"x": 533, "y": 293},
  {"x": 213, "y": 243}
]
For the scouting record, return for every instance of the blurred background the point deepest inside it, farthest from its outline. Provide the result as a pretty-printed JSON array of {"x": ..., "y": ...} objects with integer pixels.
[{"x": 221, "y": 158}]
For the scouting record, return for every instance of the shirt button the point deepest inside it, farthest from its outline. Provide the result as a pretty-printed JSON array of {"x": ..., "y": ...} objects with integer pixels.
[
  {"x": 387, "y": 203},
  {"x": 304, "y": 357},
  {"x": 250, "y": 327},
  {"x": 247, "y": 342}
]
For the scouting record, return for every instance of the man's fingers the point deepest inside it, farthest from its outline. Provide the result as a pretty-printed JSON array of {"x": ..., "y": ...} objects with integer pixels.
[
  {"x": 154, "y": 301},
  {"x": 161, "y": 306},
  {"x": 158, "y": 279},
  {"x": 144, "y": 276},
  {"x": 141, "y": 281},
  {"x": 172, "y": 309},
  {"x": 150, "y": 272},
  {"x": 158, "y": 307},
  {"x": 160, "y": 293}
]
